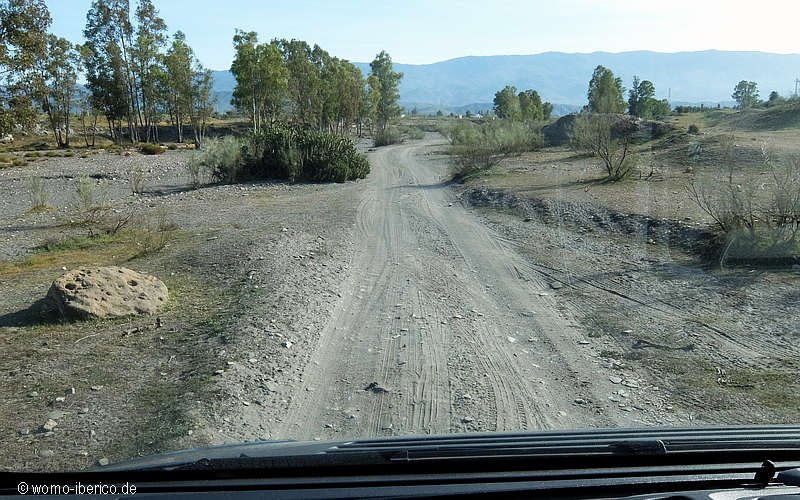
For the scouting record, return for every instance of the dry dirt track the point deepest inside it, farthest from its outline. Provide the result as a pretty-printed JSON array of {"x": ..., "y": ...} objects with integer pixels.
[{"x": 444, "y": 315}]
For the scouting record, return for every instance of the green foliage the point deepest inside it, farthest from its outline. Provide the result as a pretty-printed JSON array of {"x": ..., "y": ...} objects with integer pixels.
[
  {"x": 605, "y": 92},
  {"x": 196, "y": 169},
  {"x": 480, "y": 146},
  {"x": 188, "y": 85},
  {"x": 641, "y": 102},
  {"x": 150, "y": 149},
  {"x": 223, "y": 158},
  {"x": 387, "y": 109},
  {"x": 37, "y": 193},
  {"x": 90, "y": 202},
  {"x": 60, "y": 76},
  {"x": 23, "y": 45},
  {"x": 745, "y": 94},
  {"x": 775, "y": 99},
  {"x": 694, "y": 129},
  {"x": 592, "y": 133},
  {"x": 294, "y": 154},
  {"x": 754, "y": 226},
  {"x": 261, "y": 78},
  {"x": 146, "y": 54},
  {"x": 387, "y": 137},
  {"x": 507, "y": 103}
]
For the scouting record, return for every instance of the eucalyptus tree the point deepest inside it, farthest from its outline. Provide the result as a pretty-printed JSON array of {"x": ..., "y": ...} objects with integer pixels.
[
  {"x": 261, "y": 79},
  {"x": 388, "y": 108},
  {"x": 605, "y": 92},
  {"x": 150, "y": 39},
  {"x": 23, "y": 45},
  {"x": 108, "y": 35},
  {"x": 59, "y": 72}
]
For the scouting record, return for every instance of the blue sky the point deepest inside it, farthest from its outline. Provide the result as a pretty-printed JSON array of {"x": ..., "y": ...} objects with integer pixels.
[{"x": 418, "y": 32}]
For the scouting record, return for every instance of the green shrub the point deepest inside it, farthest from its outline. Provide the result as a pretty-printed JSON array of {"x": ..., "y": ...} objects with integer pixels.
[
  {"x": 694, "y": 129},
  {"x": 90, "y": 202},
  {"x": 222, "y": 158},
  {"x": 294, "y": 154},
  {"x": 758, "y": 223},
  {"x": 18, "y": 162},
  {"x": 52, "y": 154},
  {"x": 4, "y": 158},
  {"x": 32, "y": 154},
  {"x": 387, "y": 137},
  {"x": 137, "y": 178},
  {"x": 479, "y": 147},
  {"x": 37, "y": 193},
  {"x": 150, "y": 149},
  {"x": 172, "y": 147}
]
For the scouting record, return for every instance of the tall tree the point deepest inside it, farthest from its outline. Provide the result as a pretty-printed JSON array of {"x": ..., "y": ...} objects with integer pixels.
[
  {"x": 23, "y": 45},
  {"x": 202, "y": 101},
  {"x": 368, "y": 104},
  {"x": 261, "y": 78},
  {"x": 150, "y": 39},
  {"x": 304, "y": 82},
  {"x": 605, "y": 92},
  {"x": 388, "y": 109},
  {"x": 59, "y": 72},
  {"x": 547, "y": 110},
  {"x": 178, "y": 66},
  {"x": 106, "y": 64},
  {"x": 745, "y": 94},
  {"x": 639, "y": 96},
  {"x": 530, "y": 104},
  {"x": 507, "y": 103},
  {"x": 188, "y": 86}
]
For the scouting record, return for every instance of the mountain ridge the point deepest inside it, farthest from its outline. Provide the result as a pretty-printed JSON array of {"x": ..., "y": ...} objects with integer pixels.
[{"x": 562, "y": 77}]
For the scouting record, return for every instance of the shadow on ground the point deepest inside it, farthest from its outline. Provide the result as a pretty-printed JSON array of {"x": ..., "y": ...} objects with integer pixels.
[{"x": 38, "y": 313}]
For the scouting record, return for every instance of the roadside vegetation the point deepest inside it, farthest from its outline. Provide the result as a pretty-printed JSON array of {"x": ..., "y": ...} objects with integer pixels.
[
  {"x": 756, "y": 222},
  {"x": 479, "y": 146}
]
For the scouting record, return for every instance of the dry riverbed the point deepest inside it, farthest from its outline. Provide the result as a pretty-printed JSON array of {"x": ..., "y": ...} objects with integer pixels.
[{"x": 402, "y": 304}]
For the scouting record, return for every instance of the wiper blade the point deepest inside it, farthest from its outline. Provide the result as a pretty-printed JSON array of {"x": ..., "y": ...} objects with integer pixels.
[{"x": 682, "y": 445}]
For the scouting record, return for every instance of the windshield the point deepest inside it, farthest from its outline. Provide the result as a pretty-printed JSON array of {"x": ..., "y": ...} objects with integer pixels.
[{"x": 242, "y": 221}]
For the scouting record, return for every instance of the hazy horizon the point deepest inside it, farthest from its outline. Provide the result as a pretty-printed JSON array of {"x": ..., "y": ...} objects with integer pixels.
[{"x": 417, "y": 32}]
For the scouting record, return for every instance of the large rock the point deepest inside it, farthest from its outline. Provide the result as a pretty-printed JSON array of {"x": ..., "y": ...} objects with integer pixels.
[{"x": 106, "y": 292}]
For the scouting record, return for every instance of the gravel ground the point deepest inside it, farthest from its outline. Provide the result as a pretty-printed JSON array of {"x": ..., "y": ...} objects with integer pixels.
[{"x": 396, "y": 305}]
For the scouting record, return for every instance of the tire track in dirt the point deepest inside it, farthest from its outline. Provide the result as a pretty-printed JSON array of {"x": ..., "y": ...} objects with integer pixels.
[{"x": 431, "y": 313}]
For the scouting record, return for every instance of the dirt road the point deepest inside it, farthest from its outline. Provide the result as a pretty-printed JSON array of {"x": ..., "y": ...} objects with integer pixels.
[{"x": 441, "y": 328}]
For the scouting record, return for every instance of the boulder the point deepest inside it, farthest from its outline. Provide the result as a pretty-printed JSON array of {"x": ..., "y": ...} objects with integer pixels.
[
  {"x": 106, "y": 292},
  {"x": 7, "y": 139}
]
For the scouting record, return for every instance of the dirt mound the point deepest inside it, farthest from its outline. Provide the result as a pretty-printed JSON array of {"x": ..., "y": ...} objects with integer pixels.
[
  {"x": 590, "y": 217},
  {"x": 106, "y": 292},
  {"x": 558, "y": 132}
]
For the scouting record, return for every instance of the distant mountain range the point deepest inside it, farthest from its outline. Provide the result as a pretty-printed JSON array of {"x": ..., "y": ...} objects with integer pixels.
[{"x": 470, "y": 82}]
